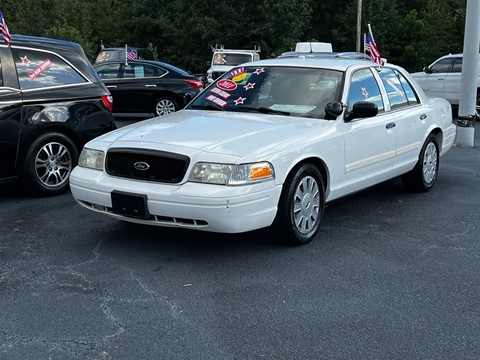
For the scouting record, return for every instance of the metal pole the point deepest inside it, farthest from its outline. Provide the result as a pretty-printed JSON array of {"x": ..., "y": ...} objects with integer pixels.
[
  {"x": 359, "y": 24},
  {"x": 468, "y": 92}
]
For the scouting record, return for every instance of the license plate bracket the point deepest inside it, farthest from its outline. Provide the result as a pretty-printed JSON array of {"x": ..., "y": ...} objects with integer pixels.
[{"x": 131, "y": 205}]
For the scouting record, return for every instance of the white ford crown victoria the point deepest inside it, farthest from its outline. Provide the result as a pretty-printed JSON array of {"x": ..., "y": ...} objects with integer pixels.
[{"x": 268, "y": 144}]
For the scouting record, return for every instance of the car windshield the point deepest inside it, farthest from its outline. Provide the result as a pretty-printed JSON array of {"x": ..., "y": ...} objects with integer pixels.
[
  {"x": 295, "y": 91},
  {"x": 231, "y": 59}
]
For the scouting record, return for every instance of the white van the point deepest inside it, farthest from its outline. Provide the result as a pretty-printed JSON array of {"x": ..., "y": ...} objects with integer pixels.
[{"x": 226, "y": 59}]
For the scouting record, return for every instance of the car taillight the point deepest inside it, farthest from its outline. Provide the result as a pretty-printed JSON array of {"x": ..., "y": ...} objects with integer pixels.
[
  {"x": 108, "y": 101},
  {"x": 196, "y": 84}
]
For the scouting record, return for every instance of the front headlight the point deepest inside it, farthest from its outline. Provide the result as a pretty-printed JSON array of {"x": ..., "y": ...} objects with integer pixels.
[
  {"x": 226, "y": 174},
  {"x": 92, "y": 159}
]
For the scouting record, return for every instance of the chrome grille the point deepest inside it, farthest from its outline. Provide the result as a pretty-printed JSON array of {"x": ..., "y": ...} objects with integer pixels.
[{"x": 149, "y": 165}]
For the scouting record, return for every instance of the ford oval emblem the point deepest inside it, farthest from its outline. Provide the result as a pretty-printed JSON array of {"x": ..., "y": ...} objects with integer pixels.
[{"x": 142, "y": 166}]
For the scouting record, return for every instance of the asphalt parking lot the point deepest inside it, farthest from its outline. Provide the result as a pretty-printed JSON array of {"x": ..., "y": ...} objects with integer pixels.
[{"x": 392, "y": 275}]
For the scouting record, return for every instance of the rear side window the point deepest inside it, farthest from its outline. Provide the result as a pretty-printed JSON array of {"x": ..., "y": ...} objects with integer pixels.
[
  {"x": 108, "y": 71},
  {"x": 141, "y": 71},
  {"x": 399, "y": 91},
  {"x": 39, "y": 69}
]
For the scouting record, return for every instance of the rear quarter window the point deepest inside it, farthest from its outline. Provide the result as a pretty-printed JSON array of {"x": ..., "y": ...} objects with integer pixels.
[{"x": 40, "y": 69}]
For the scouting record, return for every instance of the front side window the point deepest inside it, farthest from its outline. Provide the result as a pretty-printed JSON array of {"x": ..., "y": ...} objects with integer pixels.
[
  {"x": 364, "y": 87},
  {"x": 277, "y": 90},
  {"x": 38, "y": 69},
  {"x": 442, "y": 66}
]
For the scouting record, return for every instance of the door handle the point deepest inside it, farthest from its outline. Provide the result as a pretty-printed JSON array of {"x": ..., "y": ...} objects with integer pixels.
[
  {"x": 390, "y": 125},
  {"x": 149, "y": 86},
  {"x": 111, "y": 86},
  {"x": 423, "y": 116}
]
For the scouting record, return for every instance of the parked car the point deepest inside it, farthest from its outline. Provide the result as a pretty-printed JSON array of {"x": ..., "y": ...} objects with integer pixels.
[
  {"x": 51, "y": 103},
  {"x": 269, "y": 144},
  {"x": 443, "y": 79},
  {"x": 118, "y": 53},
  {"x": 148, "y": 87}
]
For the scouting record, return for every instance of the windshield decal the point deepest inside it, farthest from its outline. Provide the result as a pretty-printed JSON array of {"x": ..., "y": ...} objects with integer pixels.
[
  {"x": 238, "y": 75},
  {"x": 240, "y": 100},
  {"x": 227, "y": 85},
  {"x": 259, "y": 71},
  {"x": 221, "y": 93},
  {"x": 216, "y": 100},
  {"x": 249, "y": 86}
]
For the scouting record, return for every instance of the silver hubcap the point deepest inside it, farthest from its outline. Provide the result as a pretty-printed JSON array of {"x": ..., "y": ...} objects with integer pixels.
[
  {"x": 53, "y": 164},
  {"x": 430, "y": 163},
  {"x": 306, "y": 205},
  {"x": 165, "y": 107}
]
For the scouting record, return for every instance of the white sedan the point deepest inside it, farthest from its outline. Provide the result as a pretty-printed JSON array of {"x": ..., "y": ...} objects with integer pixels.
[{"x": 269, "y": 144}]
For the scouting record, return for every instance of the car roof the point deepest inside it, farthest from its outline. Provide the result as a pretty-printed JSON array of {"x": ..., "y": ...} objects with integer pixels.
[
  {"x": 17, "y": 39},
  {"x": 335, "y": 63},
  {"x": 329, "y": 54}
]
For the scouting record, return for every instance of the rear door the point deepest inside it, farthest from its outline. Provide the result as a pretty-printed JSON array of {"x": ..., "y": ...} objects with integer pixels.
[{"x": 10, "y": 114}]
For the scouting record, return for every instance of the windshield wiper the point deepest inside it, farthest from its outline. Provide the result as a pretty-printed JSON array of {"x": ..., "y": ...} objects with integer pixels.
[
  {"x": 208, "y": 107},
  {"x": 262, "y": 109}
]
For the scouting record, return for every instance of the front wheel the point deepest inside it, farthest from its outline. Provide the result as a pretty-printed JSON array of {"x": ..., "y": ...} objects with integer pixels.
[
  {"x": 165, "y": 106},
  {"x": 301, "y": 205},
  {"x": 48, "y": 164},
  {"x": 424, "y": 174}
]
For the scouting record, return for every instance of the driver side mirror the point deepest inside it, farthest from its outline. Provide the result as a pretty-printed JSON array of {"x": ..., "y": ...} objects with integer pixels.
[
  {"x": 427, "y": 70},
  {"x": 362, "y": 109}
]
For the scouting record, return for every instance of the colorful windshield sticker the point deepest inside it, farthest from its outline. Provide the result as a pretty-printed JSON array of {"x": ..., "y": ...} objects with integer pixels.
[
  {"x": 240, "y": 100},
  {"x": 365, "y": 92},
  {"x": 249, "y": 86},
  {"x": 227, "y": 85},
  {"x": 39, "y": 69},
  {"x": 259, "y": 71},
  {"x": 221, "y": 93},
  {"x": 216, "y": 100},
  {"x": 219, "y": 59},
  {"x": 397, "y": 90},
  {"x": 25, "y": 60},
  {"x": 238, "y": 75}
]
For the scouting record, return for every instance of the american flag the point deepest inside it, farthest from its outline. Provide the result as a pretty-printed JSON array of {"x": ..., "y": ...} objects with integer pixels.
[
  {"x": 131, "y": 54},
  {"x": 4, "y": 29},
  {"x": 372, "y": 49}
]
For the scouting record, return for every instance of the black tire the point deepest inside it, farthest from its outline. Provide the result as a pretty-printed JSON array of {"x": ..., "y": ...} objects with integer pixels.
[
  {"x": 424, "y": 175},
  {"x": 164, "y": 106},
  {"x": 301, "y": 206},
  {"x": 48, "y": 164}
]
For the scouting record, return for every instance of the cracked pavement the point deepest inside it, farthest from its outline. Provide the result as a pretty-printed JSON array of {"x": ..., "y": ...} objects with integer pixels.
[{"x": 392, "y": 275}]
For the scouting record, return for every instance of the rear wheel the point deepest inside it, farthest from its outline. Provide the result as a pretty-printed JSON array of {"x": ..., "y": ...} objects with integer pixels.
[
  {"x": 424, "y": 174},
  {"x": 301, "y": 205},
  {"x": 165, "y": 106},
  {"x": 48, "y": 164}
]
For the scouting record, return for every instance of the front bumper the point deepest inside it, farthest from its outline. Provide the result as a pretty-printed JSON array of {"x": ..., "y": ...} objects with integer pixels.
[{"x": 216, "y": 208}]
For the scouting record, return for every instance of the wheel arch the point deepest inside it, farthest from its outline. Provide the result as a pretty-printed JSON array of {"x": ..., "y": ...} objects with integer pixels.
[
  {"x": 319, "y": 164},
  {"x": 53, "y": 128}
]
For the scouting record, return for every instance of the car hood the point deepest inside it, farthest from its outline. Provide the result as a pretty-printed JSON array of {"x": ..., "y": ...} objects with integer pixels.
[{"x": 221, "y": 132}]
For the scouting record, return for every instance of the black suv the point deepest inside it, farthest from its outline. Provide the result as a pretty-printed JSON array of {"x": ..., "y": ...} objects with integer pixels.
[{"x": 51, "y": 103}]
